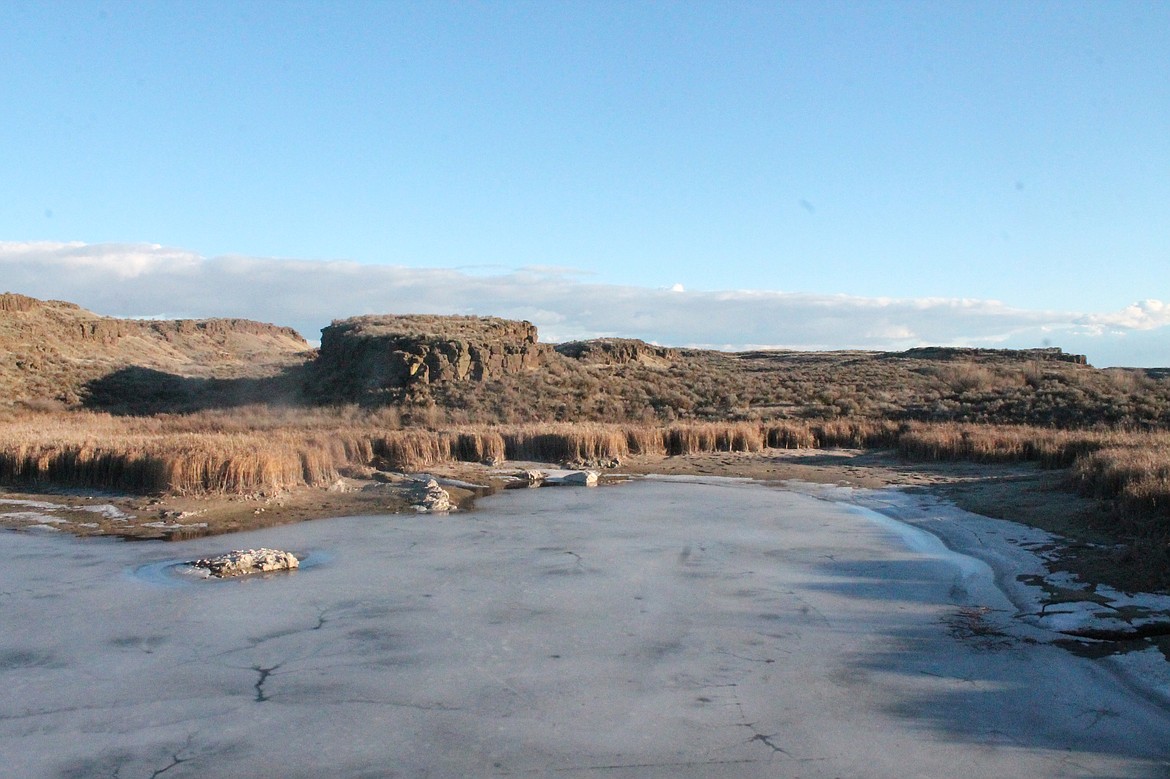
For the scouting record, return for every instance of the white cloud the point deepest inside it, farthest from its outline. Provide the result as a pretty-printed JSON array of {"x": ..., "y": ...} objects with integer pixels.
[
  {"x": 120, "y": 260},
  {"x": 144, "y": 279},
  {"x": 1143, "y": 315}
]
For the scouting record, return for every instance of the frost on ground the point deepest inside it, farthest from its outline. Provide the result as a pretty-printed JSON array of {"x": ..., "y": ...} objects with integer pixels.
[
  {"x": 107, "y": 511},
  {"x": 1096, "y": 619},
  {"x": 32, "y": 516},
  {"x": 46, "y": 513},
  {"x": 32, "y": 504}
]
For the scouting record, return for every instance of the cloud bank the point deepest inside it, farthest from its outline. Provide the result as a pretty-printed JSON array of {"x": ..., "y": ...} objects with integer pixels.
[{"x": 141, "y": 280}]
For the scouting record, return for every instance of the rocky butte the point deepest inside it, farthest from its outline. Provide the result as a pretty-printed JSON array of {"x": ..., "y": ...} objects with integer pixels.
[{"x": 367, "y": 356}]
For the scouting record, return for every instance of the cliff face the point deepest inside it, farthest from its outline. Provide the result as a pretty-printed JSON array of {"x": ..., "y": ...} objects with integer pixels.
[
  {"x": 371, "y": 355},
  {"x": 51, "y": 350}
]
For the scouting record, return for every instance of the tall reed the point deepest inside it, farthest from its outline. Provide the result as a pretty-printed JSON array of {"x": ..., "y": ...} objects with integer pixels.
[{"x": 233, "y": 453}]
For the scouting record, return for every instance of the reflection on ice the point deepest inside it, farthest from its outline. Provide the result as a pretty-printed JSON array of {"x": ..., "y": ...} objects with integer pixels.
[{"x": 651, "y": 629}]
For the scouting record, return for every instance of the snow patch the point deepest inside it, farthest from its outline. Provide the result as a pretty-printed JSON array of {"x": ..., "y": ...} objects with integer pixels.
[
  {"x": 32, "y": 504},
  {"x": 108, "y": 511},
  {"x": 33, "y": 516}
]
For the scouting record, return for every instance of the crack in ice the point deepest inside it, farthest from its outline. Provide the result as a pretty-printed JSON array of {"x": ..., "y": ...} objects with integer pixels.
[
  {"x": 264, "y": 674},
  {"x": 175, "y": 760}
]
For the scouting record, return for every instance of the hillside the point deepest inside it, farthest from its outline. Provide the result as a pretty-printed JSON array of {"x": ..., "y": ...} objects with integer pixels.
[
  {"x": 488, "y": 370},
  {"x": 444, "y": 369},
  {"x": 57, "y": 352}
]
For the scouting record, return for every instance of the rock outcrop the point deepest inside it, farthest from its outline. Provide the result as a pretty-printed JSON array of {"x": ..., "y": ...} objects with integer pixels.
[
  {"x": 969, "y": 354},
  {"x": 242, "y": 562},
  {"x": 373, "y": 355},
  {"x": 618, "y": 351}
]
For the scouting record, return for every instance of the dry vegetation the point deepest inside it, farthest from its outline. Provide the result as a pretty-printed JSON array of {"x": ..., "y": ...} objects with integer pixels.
[
  {"x": 957, "y": 386},
  {"x": 172, "y": 407},
  {"x": 263, "y": 451},
  {"x": 260, "y": 449}
]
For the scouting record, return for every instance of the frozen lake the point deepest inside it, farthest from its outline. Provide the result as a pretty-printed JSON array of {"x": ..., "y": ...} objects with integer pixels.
[{"x": 652, "y": 629}]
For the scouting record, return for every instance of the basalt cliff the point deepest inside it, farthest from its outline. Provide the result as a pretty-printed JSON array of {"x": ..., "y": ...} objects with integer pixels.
[{"x": 368, "y": 357}]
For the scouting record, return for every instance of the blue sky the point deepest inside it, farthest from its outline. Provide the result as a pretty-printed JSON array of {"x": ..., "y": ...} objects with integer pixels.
[{"x": 949, "y": 157}]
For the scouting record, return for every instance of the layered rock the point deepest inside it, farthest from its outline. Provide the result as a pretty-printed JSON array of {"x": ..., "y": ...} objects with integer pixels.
[
  {"x": 10, "y": 301},
  {"x": 372, "y": 354}
]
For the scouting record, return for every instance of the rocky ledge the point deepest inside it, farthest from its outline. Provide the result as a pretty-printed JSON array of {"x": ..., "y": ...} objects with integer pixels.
[{"x": 242, "y": 562}]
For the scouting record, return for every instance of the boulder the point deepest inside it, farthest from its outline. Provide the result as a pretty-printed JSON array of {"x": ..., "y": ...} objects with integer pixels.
[
  {"x": 575, "y": 478},
  {"x": 430, "y": 498},
  {"x": 242, "y": 562},
  {"x": 554, "y": 478}
]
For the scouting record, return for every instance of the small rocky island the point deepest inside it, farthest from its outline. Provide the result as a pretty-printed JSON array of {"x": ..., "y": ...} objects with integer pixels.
[{"x": 242, "y": 562}]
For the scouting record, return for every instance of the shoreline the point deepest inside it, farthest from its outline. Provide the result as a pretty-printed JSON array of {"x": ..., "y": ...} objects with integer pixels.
[{"x": 1021, "y": 492}]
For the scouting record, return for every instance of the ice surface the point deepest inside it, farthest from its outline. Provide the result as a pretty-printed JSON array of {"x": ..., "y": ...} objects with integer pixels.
[{"x": 652, "y": 629}]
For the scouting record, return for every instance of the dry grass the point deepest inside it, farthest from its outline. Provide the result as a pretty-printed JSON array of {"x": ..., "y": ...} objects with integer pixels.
[
  {"x": 688, "y": 386},
  {"x": 150, "y": 455},
  {"x": 1136, "y": 474},
  {"x": 265, "y": 450},
  {"x": 1050, "y": 447},
  {"x": 1133, "y": 477}
]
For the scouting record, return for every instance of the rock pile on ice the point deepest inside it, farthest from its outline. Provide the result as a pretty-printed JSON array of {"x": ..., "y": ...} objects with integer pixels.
[
  {"x": 430, "y": 498},
  {"x": 242, "y": 562},
  {"x": 559, "y": 477}
]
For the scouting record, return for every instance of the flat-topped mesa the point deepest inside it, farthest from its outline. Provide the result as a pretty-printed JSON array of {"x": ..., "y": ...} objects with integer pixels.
[
  {"x": 951, "y": 353},
  {"x": 372, "y": 354},
  {"x": 617, "y": 351}
]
